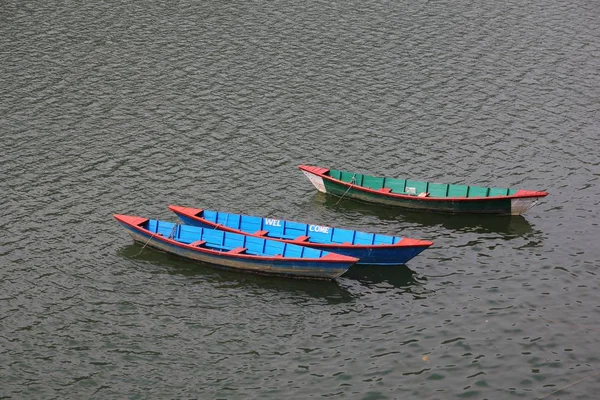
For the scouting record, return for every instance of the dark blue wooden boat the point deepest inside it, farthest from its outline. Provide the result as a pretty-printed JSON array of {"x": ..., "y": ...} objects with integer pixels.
[
  {"x": 369, "y": 248},
  {"x": 235, "y": 251}
]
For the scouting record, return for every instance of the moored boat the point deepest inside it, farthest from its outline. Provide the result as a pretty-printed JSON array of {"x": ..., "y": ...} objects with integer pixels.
[
  {"x": 369, "y": 248},
  {"x": 421, "y": 195},
  {"x": 235, "y": 251}
]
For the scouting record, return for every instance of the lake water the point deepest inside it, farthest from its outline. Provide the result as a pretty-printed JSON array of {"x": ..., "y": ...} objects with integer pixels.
[{"x": 127, "y": 107}]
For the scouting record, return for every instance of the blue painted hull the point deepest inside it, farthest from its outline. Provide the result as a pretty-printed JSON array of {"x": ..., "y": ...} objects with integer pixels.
[
  {"x": 381, "y": 255},
  {"x": 289, "y": 267}
]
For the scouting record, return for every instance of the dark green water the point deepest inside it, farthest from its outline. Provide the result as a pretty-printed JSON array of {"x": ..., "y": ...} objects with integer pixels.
[{"x": 126, "y": 107}]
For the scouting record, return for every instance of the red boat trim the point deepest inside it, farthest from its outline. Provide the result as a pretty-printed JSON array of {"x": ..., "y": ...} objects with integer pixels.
[
  {"x": 136, "y": 222},
  {"x": 404, "y": 242},
  {"x": 130, "y": 220},
  {"x": 408, "y": 242},
  {"x": 320, "y": 171}
]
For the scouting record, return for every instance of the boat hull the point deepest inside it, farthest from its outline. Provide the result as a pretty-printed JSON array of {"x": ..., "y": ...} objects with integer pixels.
[
  {"x": 280, "y": 267},
  {"x": 501, "y": 206},
  {"x": 381, "y": 255}
]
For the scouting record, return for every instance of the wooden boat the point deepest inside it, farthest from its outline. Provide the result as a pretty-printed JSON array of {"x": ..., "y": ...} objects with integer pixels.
[
  {"x": 369, "y": 248},
  {"x": 421, "y": 195},
  {"x": 235, "y": 251}
]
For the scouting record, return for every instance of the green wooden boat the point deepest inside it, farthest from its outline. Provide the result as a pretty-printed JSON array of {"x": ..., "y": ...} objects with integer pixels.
[{"x": 421, "y": 195}]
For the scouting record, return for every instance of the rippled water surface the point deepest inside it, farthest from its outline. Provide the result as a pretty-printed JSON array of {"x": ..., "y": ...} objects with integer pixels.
[{"x": 126, "y": 107}]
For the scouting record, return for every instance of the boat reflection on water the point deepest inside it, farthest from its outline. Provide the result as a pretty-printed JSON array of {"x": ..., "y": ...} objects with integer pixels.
[
  {"x": 399, "y": 276},
  {"x": 333, "y": 292},
  {"x": 328, "y": 290},
  {"x": 515, "y": 225}
]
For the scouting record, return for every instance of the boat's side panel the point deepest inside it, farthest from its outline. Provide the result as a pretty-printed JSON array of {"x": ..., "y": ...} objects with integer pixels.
[
  {"x": 317, "y": 181},
  {"x": 451, "y": 198},
  {"x": 519, "y": 205},
  {"x": 371, "y": 255},
  {"x": 382, "y": 255},
  {"x": 303, "y": 269},
  {"x": 491, "y": 206}
]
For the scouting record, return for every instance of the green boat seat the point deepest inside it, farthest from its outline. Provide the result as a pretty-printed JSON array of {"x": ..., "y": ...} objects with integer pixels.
[
  {"x": 438, "y": 189},
  {"x": 347, "y": 176},
  {"x": 478, "y": 191},
  {"x": 417, "y": 186},
  {"x": 498, "y": 192},
  {"x": 457, "y": 191},
  {"x": 372, "y": 182},
  {"x": 395, "y": 185},
  {"x": 335, "y": 174}
]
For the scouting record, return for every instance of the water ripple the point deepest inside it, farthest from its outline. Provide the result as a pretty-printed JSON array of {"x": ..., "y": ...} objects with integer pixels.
[{"x": 125, "y": 108}]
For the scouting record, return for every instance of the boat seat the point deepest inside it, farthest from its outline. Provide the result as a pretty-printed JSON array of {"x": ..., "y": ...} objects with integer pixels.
[
  {"x": 197, "y": 243},
  {"x": 237, "y": 250},
  {"x": 385, "y": 190},
  {"x": 261, "y": 233},
  {"x": 301, "y": 239}
]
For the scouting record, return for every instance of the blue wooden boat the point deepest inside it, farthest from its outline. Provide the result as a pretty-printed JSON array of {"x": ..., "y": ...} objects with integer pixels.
[
  {"x": 369, "y": 248},
  {"x": 235, "y": 251}
]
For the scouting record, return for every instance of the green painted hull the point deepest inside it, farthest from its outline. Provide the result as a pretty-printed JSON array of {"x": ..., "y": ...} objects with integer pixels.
[
  {"x": 500, "y": 206},
  {"x": 421, "y": 195}
]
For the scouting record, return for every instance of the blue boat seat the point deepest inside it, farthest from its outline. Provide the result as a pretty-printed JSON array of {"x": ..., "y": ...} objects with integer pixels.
[{"x": 343, "y": 236}]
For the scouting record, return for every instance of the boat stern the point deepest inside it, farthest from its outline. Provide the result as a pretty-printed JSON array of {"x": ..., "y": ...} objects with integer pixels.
[
  {"x": 524, "y": 200},
  {"x": 314, "y": 175}
]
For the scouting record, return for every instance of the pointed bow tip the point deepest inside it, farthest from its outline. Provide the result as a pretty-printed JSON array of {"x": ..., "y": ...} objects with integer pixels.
[
  {"x": 130, "y": 219},
  {"x": 185, "y": 210},
  {"x": 415, "y": 242},
  {"x": 313, "y": 169},
  {"x": 340, "y": 257},
  {"x": 531, "y": 193}
]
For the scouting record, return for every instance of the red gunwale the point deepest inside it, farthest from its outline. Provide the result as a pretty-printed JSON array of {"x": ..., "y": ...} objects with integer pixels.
[
  {"x": 191, "y": 213},
  {"x": 322, "y": 171},
  {"x": 136, "y": 222}
]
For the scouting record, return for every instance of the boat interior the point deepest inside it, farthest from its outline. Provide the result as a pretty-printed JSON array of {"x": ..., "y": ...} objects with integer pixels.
[
  {"x": 231, "y": 243},
  {"x": 297, "y": 231},
  {"x": 418, "y": 188}
]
